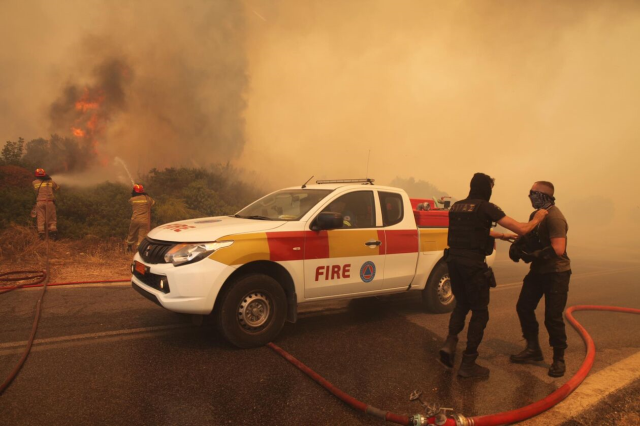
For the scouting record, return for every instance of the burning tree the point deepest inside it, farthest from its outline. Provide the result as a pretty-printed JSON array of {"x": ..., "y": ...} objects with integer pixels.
[{"x": 84, "y": 113}]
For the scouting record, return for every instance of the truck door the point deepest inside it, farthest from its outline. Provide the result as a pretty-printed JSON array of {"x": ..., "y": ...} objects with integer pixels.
[
  {"x": 349, "y": 260},
  {"x": 401, "y": 248}
]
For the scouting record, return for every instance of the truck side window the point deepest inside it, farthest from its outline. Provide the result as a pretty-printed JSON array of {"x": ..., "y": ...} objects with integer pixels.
[
  {"x": 392, "y": 208},
  {"x": 357, "y": 209}
]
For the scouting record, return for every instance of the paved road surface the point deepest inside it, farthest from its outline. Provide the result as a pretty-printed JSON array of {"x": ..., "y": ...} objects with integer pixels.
[{"x": 105, "y": 355}]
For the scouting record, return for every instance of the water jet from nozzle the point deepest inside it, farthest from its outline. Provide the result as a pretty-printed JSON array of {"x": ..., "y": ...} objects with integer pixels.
[{"x": 124, "y": 166}]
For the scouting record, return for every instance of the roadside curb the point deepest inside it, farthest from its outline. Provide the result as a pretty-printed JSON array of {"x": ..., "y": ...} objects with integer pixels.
[{"x": 594, "y": 389}]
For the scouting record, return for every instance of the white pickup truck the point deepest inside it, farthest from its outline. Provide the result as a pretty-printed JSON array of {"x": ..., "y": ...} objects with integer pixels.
[{"x": 331, "y": 240}]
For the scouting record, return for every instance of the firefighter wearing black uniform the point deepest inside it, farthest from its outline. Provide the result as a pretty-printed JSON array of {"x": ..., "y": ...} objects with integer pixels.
[
  {"x": 546, "y": 249},
  {"x": 470, "y": 241}
]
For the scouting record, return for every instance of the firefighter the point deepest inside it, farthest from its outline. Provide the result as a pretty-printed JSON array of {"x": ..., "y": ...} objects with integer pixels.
[
  {"x": 549, "y": 274},
  {"x": 45, "y": 209},
  {"x": 470, "y": 240},
  {"x": 140, "y": 225}
]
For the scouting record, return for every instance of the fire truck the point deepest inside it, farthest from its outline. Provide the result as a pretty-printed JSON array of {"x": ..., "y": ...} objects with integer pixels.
[{"x": 330, "y": 240}]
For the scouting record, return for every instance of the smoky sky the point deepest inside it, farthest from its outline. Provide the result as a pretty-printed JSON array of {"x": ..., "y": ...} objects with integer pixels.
[
  {"x": 433, "y": 91},
  {"x": 171, "y": 77},
  {"x": 522, "y": 91}
]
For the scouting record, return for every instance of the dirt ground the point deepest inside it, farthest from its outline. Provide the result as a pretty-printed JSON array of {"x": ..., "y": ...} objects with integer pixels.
[{"x": 89, "y": 259}]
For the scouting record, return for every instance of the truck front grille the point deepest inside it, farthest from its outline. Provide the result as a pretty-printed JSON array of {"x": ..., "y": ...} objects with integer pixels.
[{"x": 153, "y": 251}]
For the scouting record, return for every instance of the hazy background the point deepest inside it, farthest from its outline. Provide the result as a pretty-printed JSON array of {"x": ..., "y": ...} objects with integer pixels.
[{"x": 429, "y": 90}]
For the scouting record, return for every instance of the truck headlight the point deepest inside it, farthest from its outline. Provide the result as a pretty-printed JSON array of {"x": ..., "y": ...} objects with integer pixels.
[{"x": 192, "y": 252}]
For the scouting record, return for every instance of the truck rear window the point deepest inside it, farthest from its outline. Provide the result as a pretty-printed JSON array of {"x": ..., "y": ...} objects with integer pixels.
[{"x": 392, "y": 208}]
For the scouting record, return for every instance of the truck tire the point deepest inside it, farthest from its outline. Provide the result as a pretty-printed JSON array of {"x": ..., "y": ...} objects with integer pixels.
[
  {"x": 251, "y": 311},
  {"x": 437, "y": 294}
]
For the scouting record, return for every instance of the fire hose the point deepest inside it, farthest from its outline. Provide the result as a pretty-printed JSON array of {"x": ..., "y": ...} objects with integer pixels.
[
  {"x": 34, "y": 278},
  {"x": 507, "y": 417}
]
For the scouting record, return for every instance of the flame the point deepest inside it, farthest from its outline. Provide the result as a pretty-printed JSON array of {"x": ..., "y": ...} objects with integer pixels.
[
  {"x": 89, "y": 100},
  {"x": 91, "y": 119}
]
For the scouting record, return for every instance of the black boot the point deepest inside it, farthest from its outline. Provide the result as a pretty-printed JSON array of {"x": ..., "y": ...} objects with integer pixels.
[
  {"x": 557, "y": 368},
  {"x": 129, "y": 248},
  {"x": 469, "y": 368},
  {"x": 53, "y": 235},
  {"x": 531, "y": 353},
  {"x": 448, "y": 351}
]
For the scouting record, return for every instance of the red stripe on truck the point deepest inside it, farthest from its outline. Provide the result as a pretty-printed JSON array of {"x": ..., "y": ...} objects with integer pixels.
[
  {"x": 402, "y": 241},
  {"x": 317, "y": 245},
  {"x": 282, "y": 244}
]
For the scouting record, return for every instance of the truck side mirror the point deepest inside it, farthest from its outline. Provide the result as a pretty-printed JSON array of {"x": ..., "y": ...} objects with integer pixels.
[{"x": 327, "y": 220}]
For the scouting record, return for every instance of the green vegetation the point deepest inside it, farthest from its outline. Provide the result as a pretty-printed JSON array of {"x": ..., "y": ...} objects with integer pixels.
[{"x": 103, "y": 210}]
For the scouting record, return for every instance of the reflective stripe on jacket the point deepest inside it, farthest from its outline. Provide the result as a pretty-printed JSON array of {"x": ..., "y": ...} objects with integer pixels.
[
  {"x": 141, "y": 205},
  {"x": 44, "y": 189}
]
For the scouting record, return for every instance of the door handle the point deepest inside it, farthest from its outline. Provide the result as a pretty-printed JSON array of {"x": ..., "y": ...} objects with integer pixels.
[{"x": 372, "y": 243}]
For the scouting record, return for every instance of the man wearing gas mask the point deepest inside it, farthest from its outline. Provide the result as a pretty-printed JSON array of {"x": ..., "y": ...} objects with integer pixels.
[
  {"x": 470, "y": 240},
  {"x": 546, "y": 249}
]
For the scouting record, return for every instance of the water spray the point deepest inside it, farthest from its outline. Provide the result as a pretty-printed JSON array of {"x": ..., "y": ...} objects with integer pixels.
[{"x": 124, "y": 166}]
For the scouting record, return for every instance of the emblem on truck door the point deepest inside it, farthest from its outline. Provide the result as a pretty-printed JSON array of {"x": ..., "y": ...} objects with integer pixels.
[{"x": 368, "y": 272}]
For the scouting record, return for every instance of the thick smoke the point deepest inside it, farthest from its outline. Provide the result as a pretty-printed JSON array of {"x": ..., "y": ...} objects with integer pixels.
[
  {"x": 87, "y": 111},
  {"x": 157, "y": 83},
  {"x": 522, "y": 91}
]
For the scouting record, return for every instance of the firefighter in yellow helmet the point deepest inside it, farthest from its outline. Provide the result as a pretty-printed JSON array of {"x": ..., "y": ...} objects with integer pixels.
[
  {"x": 45, "y": 209},
  {"x": 141, "y": 217}
]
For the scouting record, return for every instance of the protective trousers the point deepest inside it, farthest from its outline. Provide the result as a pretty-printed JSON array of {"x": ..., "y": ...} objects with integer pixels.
[
  {"x": 137, "y": 232},
  {"x": 46, "y": 213},
  {"x": 471, "y": 289},
  {"x": 555, "y": 288}
]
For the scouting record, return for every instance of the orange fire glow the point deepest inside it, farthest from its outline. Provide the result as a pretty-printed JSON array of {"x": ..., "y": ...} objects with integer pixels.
[
  {"x": 89, "y": 100},
  {"x": 91, "y": 119},
  {"x": 78, "y": 132}
]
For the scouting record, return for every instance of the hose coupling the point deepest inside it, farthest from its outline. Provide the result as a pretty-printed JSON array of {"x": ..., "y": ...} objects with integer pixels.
[
  {"x": 418, "y": 420},
  {"x": 462, "y": 420}
]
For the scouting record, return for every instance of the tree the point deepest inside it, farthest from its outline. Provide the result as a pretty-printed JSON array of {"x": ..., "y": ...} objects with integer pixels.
[{"x": 12, "y": 152}]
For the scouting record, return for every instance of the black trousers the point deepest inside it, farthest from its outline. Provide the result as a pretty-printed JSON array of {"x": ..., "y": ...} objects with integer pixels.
[
  {"x": 555, "y": 288},
  {"x": 470, "y": 286}
]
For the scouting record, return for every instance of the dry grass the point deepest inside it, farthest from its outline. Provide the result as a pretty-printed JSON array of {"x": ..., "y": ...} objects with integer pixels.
[{"x": 89, "y": 259}]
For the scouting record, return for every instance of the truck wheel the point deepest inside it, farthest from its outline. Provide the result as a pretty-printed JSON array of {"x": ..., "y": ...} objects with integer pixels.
[
  {"x": 252, "y": 311},
  {"x": 437, "y": 294}
]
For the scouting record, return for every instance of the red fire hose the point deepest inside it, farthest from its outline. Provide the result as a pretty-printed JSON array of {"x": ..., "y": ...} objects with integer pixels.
[
  {"x": 33, "y": 279},
  {"x": 507, "y": 417},
  {"x": 38, "y": 283}
]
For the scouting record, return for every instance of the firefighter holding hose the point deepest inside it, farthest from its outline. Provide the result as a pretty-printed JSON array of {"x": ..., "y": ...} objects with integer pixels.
[
  {"x": 45, "y": 209},
  {"x": 549, "y": 274},
  {"x": 470, "y": 240},
  {"x": 140, "y": 226}
]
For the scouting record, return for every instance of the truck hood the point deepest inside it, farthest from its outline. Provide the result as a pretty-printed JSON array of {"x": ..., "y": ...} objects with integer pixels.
[{"x": 207, "y": 229}]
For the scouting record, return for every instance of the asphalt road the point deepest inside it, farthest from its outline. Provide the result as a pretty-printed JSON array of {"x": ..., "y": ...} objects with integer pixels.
[{"x": 104, "y": 355}]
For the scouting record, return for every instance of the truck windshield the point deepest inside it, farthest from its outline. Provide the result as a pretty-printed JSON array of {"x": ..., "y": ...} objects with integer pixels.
[{"x": 288, "y": 204}]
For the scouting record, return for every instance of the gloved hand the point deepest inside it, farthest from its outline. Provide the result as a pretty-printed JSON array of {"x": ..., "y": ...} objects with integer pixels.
[
  {"x": 526, "y": 257},
  {"x": 514, "y": 253},
  {"x": 545, "y": 253}
]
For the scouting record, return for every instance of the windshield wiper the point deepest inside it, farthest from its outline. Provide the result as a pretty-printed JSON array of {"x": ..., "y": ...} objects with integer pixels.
[{"x": 256, "y": 217}]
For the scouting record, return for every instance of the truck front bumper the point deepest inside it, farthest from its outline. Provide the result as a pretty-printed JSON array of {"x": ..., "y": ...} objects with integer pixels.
[{"x": 189, "y": 289}]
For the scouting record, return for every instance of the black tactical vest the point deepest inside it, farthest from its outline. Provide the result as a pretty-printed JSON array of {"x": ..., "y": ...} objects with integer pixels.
[{"x": 468, "y": 228}]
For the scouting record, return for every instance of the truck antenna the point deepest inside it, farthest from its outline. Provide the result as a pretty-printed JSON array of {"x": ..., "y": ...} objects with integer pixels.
[
  {"x": 305, "y": 184},
  {"x": 368, "y": 157}
]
